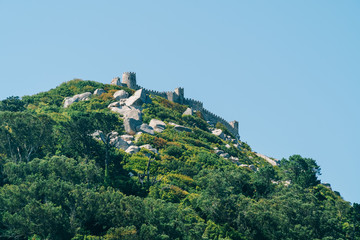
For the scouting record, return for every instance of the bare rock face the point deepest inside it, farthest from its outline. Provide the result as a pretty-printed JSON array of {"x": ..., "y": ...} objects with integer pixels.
[
  {"x": 219, "y": 133},
  {"x": 188, "y": 111},
  {"x": 137, "y": 99},
  {"x": 157, "y": 125},
  {"x": 77, "y": 98},
  {"x": 118, "y": 142},
  {"x": 99, "y": 91},
  {"x": 180, "y": 128},
  {"x": 149, "y": 147},
  {"x": 225, "y": 155},
  {"x": 131, "y": 125},
  {"x": 114, "y": 104},
  {"x": 127, "y": 137},
  {"x": 132, "y": 149},
  {"x": 122, "y": 110},
  {"x": 145, "y": 129},
  {"x": 133, "y": 113},
  {"x": 121, "y": 94}
]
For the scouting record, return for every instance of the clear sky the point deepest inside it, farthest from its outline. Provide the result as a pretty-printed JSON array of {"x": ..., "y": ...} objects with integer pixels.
[{"x": 288, "y": 71}]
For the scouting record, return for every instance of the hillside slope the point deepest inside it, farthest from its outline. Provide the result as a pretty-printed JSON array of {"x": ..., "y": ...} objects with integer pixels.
[{"x": 120, "y": 164}]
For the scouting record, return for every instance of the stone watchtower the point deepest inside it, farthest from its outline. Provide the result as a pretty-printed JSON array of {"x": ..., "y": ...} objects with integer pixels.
[{"x": 129, "y": 79}]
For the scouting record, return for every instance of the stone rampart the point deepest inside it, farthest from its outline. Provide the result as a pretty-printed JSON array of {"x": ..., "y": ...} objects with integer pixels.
[
  {"x": 129, "y": 80},
  {"x": 214, "y": 119}
]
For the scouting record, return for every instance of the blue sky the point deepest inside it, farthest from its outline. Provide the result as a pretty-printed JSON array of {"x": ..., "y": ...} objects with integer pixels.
[{"x": 288, "y": 71}]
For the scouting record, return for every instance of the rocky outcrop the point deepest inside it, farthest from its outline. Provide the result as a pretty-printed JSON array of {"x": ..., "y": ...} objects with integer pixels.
[
  {"x": 121, "y": 94},
  {"x": 127, "y": 137},
  {"x": 150, "y": 148},
  {"x": 273, "y": 162},
  {"x": 137, "y": 99},
  {"x": 145, "y": 129},
  {"x": 131, "y": 125},
  {"x": 132, "y": 149},
  {"x": 157, "y": 125},
  {"x": 99, "y": 91},
  {"x": 188, "y": 111},
  {"x": 133, "y": 113},
  {"x": 219, "y": 133},
  {"x": 180, "y": 128},
  {"x": 76, "y": 98}
]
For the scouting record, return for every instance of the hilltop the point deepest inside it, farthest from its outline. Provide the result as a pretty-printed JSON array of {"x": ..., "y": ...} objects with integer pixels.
[{"x": 87, "y": 160}]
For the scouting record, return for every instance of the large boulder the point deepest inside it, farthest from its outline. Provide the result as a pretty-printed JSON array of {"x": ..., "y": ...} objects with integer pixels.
[
  {"x": 145, "y": 129},
  {"x": 119, "y": 143},
  {"x": 99, "y": 91},
  {"x": 219, "y": 133},
  {"x": 137, "y": 99},
  {"x": 180, "y": 128},
  {"x": 131, "y": 125},
  {"x": 127, "y": 137},
  {"x": 150, "y": 148},
  {"x": 133, "y": 113},
  {"x": 157, "y": 125},
  {"x": 77, "y": 98},
  {"x": 188, "y": 111},
  {"x": 121, "y": 94},
  {"x": 225, "y": 155},
  {"x": 132, "y": 149},
  {"x": 126, "y": 111},
  {"x": 114, "y": 104}
]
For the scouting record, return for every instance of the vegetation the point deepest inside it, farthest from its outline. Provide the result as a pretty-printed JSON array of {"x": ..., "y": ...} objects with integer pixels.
[{"x": 58, "y": 182}]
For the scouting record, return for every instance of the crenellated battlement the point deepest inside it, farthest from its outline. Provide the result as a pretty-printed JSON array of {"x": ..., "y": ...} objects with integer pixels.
[{"x": 129, "y": 80}]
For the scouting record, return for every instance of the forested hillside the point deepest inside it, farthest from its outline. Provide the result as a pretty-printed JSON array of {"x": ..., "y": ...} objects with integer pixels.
[{"x": 65, "y": 174}]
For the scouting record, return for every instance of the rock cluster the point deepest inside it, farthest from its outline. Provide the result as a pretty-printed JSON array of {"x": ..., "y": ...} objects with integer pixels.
[{"x": 79, "y": 97}]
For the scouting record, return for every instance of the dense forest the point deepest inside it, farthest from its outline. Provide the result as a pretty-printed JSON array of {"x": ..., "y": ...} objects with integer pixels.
[{"x": 59, "y": 181}]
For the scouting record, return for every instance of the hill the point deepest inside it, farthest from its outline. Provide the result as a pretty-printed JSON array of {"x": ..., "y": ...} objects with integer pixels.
[{"x": 87, "y": 160}]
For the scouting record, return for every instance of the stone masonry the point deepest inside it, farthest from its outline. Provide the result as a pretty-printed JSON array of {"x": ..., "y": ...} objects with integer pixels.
[{"x": 177, "y": 96}]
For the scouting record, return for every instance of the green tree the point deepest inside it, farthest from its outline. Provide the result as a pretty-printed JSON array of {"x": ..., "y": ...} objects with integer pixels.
[
  {"x": 23, "y": 135},
  {"x": 301, "y": 171},
  {"x": 12, "y": 104}
]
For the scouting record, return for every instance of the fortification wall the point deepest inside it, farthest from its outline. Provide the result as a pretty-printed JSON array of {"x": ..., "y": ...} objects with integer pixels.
[
  {"x": 156, "y": 93},
  {"x": 213, "y": 118},
  {"x": 129, "y": 79},
  {"x": 194, "y": 104}
]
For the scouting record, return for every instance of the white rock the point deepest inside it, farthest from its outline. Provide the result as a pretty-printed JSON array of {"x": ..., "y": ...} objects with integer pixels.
[
  {"x": 149, "y": 147},
  {"x": 157, "y": 125},
  {"x": 121, "y": 94},
  {"x": 130, "y": 125},
  {"x": 119, "y": 143},
  {"x": 137, "y": 136},
  {"x": 225, "y": 155},
  {"x": 218, "y": 132},
  {"x": 180, "y": 128},
  {"x": 114, "y": 104},
  {"x": 127, "y": 137},
  {"x": 137, "y": 99},
  {"x": 132, "y": 149},
  {"x": 99, "y": 91},
  {"x": 133, "y": 113},
  {"x": 79, "y": 97},
  {"x": 188, "y": 111},
  {"x": 145, "y": 129}
]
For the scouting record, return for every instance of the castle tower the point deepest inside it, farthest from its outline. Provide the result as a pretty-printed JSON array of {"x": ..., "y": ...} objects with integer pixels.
[
  {"x": 129, "y": 79},
  {"x": 180, "y": 95},
  {"x": 235, "y": 125}
]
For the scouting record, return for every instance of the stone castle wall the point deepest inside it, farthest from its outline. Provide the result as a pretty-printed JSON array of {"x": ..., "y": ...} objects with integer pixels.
[{"x": 129, "y": 80}]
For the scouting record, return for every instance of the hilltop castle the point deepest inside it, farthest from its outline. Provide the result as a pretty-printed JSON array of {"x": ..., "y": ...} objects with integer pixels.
[{"x": 177, "y": 96}]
